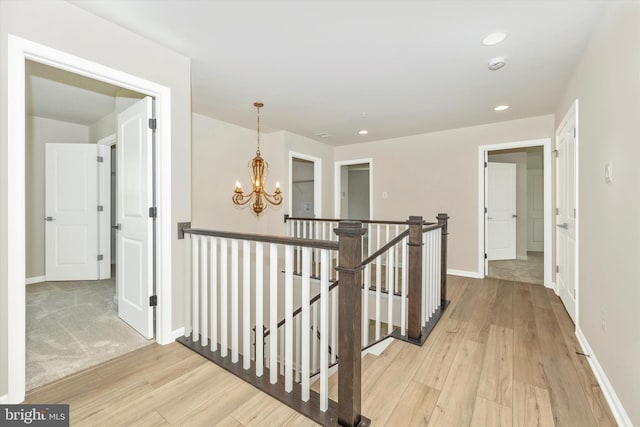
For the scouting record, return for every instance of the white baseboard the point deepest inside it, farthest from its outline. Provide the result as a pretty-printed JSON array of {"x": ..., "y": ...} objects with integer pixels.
[
  {"x": 177, "y": 334},
  {"x": 621, "y": 416},
  {"x": 32, "y": 280},
  {"x": 4, "y": 399},
  {"x": 377, "y": 349},
  {"x": 464, "y": 273}
]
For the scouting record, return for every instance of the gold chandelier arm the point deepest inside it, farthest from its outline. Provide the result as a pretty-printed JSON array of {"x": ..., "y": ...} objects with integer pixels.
[
  {"x": 274, "y": 199},
  {"x": 240, "y": 199}
]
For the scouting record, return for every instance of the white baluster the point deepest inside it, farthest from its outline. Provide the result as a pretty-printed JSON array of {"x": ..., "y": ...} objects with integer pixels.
[
  {"x": 365, "y": 305},
  {"x": 214, "y": 292},
  {"x": 314, "y": 337},
  {"x": 273, "y": 313},
  {"x": 378, "y": 234},
  {"x": 397, "y": 259},
  {"x": 306, "y": 284},
  {"x": 188, "y": 285},
  {"x": 296, "y": 348},
  {"x": 390, "y": 287},
  {"x": 433, "y": 273},
  {"x": 259, "y": 309},
  {"x": 378, "y": 292},
  {"x": 298, "y": 252},
  {"x": 424, "y": 279},
  {"x": 246, "y": 304},
  {"x": 387, "y": 226},
  {"x": 224, "y": 311},
  {"x": 204, "y": 297},
  {"x": 288, "y": 315},
  {"x": 403, "y": 297},
  {"x": 195, "y": 304},
  {"x": 334, "y": 320},
  {"x": 234, "y": 301},
  {"x": 439, "y": 265},
  {"x": 324, "y": 296},
  {"x": 282, "y": 349}
]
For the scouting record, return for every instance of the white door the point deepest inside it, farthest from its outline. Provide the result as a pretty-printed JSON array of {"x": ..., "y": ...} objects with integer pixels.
[
  {"x": 501, "y": 211},
  {"x": 566, "y": 213},
  {"x": 71, "y": 212},
  {"x": 134, "y": 247}
]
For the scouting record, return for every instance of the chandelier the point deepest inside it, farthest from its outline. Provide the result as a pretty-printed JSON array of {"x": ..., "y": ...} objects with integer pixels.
[{"x": 258, "y": 170}]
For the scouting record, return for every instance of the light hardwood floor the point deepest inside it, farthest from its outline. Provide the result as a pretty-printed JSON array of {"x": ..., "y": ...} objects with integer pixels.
[{"x": 503, "y": 354}]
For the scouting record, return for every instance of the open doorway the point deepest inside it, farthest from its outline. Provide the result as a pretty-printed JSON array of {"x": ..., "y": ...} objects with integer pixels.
[
  {"x": 516, "y": 211},
  {"x": 515, "y": 215},
  {"x": 72, "y": 316},
  {"x": 353, "y": 189},
  {"x": 305, "y": 186}
]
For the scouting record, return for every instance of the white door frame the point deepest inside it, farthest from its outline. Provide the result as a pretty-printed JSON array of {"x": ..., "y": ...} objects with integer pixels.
[
  {"x": 338, "y": 189},
  {"x": 18, "y": 51},
  {"x": 483, "y": 151},
  {"x": 573, "y": 111},
  {"x": 317, "y": 181}
]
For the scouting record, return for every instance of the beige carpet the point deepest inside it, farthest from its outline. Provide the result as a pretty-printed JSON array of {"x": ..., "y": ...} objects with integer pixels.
[
  {"x": 530, "y": 270},
  {"x": 72, "y": 326}
]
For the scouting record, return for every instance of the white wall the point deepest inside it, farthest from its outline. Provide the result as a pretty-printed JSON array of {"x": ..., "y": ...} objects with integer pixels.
[
  {"x": 40, "y": 131},
  {"x": 607, "y": 84},
  {"x": 63, "y": 26},
  {"x": 438, "y": 172}
]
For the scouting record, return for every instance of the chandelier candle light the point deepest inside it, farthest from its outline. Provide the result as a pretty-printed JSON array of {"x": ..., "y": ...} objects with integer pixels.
[{"x": 258, "y": 170}]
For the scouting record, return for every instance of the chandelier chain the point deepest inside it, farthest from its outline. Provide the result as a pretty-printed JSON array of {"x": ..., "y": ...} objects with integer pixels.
[{"x": 258, "y": 150}]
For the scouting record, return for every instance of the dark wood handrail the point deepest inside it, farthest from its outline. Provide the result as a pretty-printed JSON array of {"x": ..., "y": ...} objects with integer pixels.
[
  {"x": 293, "y": 241},
  {"x": 386, "y": 247},
  {"x": 364, "y": 221},
  {"x": 298, "y": 310}
]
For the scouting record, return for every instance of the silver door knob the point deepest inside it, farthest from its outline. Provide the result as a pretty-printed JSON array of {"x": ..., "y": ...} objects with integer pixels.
[
  {"x": 563, "y": 225},
  {"x": 116, "y": 227},
  {"x": 514, "y": 216},
  {"x": 489, "y": 217},
  {"x": 49, "y": 218}
]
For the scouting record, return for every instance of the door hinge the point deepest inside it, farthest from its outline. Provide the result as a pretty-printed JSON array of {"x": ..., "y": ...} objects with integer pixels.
[
  {"x": 100, "y": 257},
  {"x": 100, "y": 159},
  {"x": 485, "y": 256},
  {"x": 557, "y": 269},
  {"x": 153, "y": 123},
  {"x": 557, "y": 153},
  {"x": 574, "y": 213},
  {"x": 486, "y": 164},
  {"x": 574, "y": 132},
  {"x": 153, "y": 301},
  {"x": 100, "y": 208},
  {"x": 557, "y": 211},
  {"x": 485, "y": 210},
  {"x": 153, "y": 212}
]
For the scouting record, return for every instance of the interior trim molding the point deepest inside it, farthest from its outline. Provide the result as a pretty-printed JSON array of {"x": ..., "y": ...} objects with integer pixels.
[
  {"x": 4, "y": 399},
  {"x": 619, "y": 413},
  {"x": 463, "y": 273},
  {"x": 177, "y": 333},
  {"x": 34, "y": 279}
]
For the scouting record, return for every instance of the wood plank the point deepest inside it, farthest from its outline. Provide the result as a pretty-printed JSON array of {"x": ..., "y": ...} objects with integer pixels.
[
  {"x": 497, "y": 370},
  {"x": 503, "y": 310},
  {"x": 439, "y": 352},
  {"x": 527, "y": 356},
  {"x": 218, "y": 407},
  {"x": 595, "y": 398},
  {"x": 489, "y": 413},
  {"x": 531, "y": 406},
  {"x": 456, "y": 401},
  {"x": 415, "y": 405}
]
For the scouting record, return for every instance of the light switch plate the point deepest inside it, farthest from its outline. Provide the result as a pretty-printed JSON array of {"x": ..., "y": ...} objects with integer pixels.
[{"x": 608, "y": 172}]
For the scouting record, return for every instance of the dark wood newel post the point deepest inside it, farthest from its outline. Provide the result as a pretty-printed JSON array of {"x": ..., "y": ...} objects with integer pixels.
[
  {"x": 414, "y": 290},
  {"x": 443, "y": 219},
  {"x": 350, "y": 322}
]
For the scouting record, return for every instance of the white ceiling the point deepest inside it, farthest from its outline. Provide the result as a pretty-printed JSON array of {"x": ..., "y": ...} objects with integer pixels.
[
  {"x": 412, "y": 66},
  {"x": 59, "y": 95}
]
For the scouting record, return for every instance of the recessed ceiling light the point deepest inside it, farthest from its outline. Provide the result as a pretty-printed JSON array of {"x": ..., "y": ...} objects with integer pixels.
[
  {"x": 501, "y": 107},
  {"x": 363, "y": 131},
  {"x": 494, "y": 38},
  {"x": 323, "y": 135}
]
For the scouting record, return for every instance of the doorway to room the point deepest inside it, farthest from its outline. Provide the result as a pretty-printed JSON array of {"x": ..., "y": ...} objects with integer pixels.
[
  {"x": 74, "y": 316},
  {"x": 515, "y": 211},
  {"x": 353, "y": 189},
  {"x": 515, "y": 215},
  {"x": 305, "y": 186}
]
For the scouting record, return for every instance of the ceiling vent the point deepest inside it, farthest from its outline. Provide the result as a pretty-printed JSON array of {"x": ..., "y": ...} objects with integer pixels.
[{"x": 497, "y": 63}]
